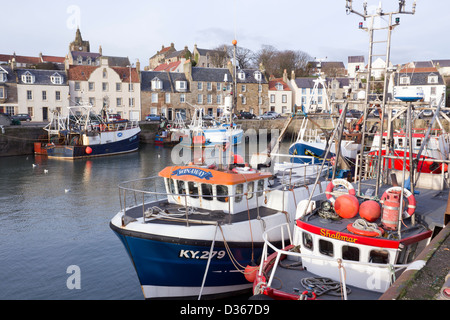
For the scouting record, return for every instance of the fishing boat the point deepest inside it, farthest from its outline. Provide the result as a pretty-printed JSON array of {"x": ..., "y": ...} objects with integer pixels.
[
  {"x": 84, "y": 134},
  {"x": 352, "y": 240},
  {"x": 170, "y": 134},
  {"x": 193, "y": 231},
  {"x": 211, "y": 133}
]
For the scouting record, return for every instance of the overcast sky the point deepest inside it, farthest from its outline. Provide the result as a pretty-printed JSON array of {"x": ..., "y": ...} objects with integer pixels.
[{"x": 137, "y": 29}]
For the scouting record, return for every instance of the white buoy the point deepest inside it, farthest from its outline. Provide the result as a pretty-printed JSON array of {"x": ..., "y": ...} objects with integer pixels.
[{"x": 45, "y": 171}]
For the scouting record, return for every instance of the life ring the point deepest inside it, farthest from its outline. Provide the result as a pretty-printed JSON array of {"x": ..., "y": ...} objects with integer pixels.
[
  {"x": 410, "y": 197},
  {"x": 364, "y": 228},
  {"x": 338, "y": 182}
]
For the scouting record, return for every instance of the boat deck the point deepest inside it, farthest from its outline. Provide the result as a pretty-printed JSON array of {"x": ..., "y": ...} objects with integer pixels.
[
  {"x": 176, "y": 214},
  {"x": 288, "y": 279}
]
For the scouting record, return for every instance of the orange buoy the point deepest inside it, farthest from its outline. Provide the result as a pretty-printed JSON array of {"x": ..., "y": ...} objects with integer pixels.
[
  {"x": 346, "y": 206},
  {"x": 370, "y": 210},
  {"x": 88, "y": 150},
  {"x": 250, "y": 273}
]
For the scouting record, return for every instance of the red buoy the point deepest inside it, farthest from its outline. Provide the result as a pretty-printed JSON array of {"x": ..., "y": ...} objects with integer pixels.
[
  {"x": 346, "y": 206},
  {"x": 250, "y": 273},
  {"x": 88, "y": 150},
  {"x": 370, "y": 210}
]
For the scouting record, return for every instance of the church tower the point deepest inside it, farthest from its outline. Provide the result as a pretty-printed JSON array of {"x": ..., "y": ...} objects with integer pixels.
[{"x": 79, "y": 44}]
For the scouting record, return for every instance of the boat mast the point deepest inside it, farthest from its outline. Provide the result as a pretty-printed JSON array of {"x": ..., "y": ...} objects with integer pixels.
[{"x": 372, "y": 98}]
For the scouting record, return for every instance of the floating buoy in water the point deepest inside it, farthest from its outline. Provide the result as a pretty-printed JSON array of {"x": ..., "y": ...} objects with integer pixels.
[
  {"x": 250, "y": 273},
  {"x": 370, "y": 210},
  {"x": 346, "y": 206},
  {"x": 88, "y": 150}
]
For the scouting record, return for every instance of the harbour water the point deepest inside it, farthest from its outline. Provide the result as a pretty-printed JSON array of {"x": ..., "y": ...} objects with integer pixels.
[{"x": 52, "y": 221}]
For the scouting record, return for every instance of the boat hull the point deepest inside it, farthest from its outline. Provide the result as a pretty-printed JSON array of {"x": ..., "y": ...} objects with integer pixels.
[
  {"x": 175, "y": 268},
  {"x": 68, "y": 152}
]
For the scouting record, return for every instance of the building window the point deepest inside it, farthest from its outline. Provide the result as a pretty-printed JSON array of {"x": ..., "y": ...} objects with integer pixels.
[
  {"x": 433, "y": 91},
  {"x": 219, "y": 99},
  {"x": 58, "y": 95},
  {"x": 118, "y": 87},
  {"x": 154, "y": 98},
  {"x": 181, "y": 85},
  {"x": 182, "y": 98},
  {"x": 77, "y": 101},
  {"x": 167, "y": 97},
  {"x": 30, "y": 111},
  {"x": 28, "y": 78},
  {"x": 209, "y": 97},
  {"x": 105, "y": 86},
  {"x": 131, "y": 102},
  {"x": 219, "y": 86},
  {"x": 10, "y": 110},
  {"x": 200, "y": 98},
  {"x": 157, "y": 84},
  {"x": 244, "y": 100},
  {"x": 56, "y": 79},
  {"x": 258, "y": 75},
  {"x": 279, "y": 87},
  {"x": 130, "y": 87},
  {"x": 44, "y": 95},
  {"x": 284, "y": 98},
  {"x": 29, "y": 95},
  {"x": 200, "y": 86},
  {"x": 91, "y": 86},
  {"x": 105, "y": 74},
  {"x": 241, "y": 75},
  {"x": 272, "y": 98},
  {"x": 209, "y": 86},
  {"x": 3, "y": 77},
  {"x": 2, "y": 93},
  {"x": 119, "y": 102},
  {"x": 432, "y": 78},
  {"x": 405, "y": 80},
  {"x": 92, "y": 101},
  {"x": 77, "y": 86},
  {"x": 243, "y": 88}
]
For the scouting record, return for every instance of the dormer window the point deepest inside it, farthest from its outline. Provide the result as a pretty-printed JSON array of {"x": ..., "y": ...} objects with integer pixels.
[
  {"x": 181, "y": 86},
  {"x": 28, "y": 78},
  {"x": 241, "y": 75},
  {"x": 157, "y": 84},
  {"x": 3, "y": 77},
  {"x": 258, "y": 76},
  {"x": 432, "y": 79},
  {"x": 405, "y": 80},
  {"x": 80, "y": 60},
  {"x": 279, "y": 86},
  {"x": 89, "y": 61},
  {"x": 56, "y": 78}
]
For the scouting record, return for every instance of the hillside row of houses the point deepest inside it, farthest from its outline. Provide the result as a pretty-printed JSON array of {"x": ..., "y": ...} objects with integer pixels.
[{"x": 173, "y": 83}]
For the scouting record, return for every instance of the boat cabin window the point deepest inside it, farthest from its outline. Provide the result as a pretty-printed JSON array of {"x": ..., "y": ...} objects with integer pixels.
[
  {"x": 350, "y": 253},
  {"x": 326, "y": 248},
  {"x": 260, "y": 188},
  {"x": 239, "y": 192},
  {"x": 193, "y": 189},
  {"x": 379, "y": 256},
  {"x": 171, "y": 186},
  {"x": 307, "y": 241},
  {"x": 250, "y": 190},
  {"x": 418, "y": 142},
  {"x": 222, "y": 193},
  {"x": 181, "y": 187},
  {"x": 207, "y": 192}
]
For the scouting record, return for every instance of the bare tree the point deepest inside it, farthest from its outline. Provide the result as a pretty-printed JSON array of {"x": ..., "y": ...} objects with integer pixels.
[
  {"x": 275, "y": 61},
  {"x": 219, "y": 57},
  {"x": 244, "y": 57}
]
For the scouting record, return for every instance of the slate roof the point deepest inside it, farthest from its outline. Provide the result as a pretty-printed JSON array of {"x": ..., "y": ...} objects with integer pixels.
[
  {"x": 210, "y": 74},
  {"x": 250, "y": 76},
  {"x": 10, "y": 77},
  {"x": 168, "y": 79},
  {"x": 42, "y": 77},
  {"x": 306, "y": 83},
  {"x": 356, "y": 59},
  {"x": 419, "y": 76}
]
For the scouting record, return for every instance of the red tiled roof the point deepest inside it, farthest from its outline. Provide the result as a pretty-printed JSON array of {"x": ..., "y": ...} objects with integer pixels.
[
  {"x": 80, "y": 73},
  {"x": 168, "y": 67},
  {"x": 124, "y": 74},
  {"x": 273, "y": 83},
  {"x": 418, "y": 70},
  {"x": 20, "y": 59},
  {"x": 161, "y": 67},
  {"x": 53, "y": 59}
]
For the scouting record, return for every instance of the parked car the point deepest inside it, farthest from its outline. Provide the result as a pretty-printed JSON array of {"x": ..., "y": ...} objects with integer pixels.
[
  {"x": 275, "y": 114},
  {"x": 114, "y": 117},
  {"x": 21, "y": 117},
  {"x": 266, "y": 116},
  {"x": 246, "y": 115},
  {"x": 353, "y": 113},
  {"x": 207, "y": 117},
  {"x": 153, "y": 117}
]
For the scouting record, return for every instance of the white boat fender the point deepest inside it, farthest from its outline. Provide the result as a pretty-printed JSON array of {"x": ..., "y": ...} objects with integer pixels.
[
  {"x": 416, "y": 265},
  {"x": 302, "y": 210}
]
